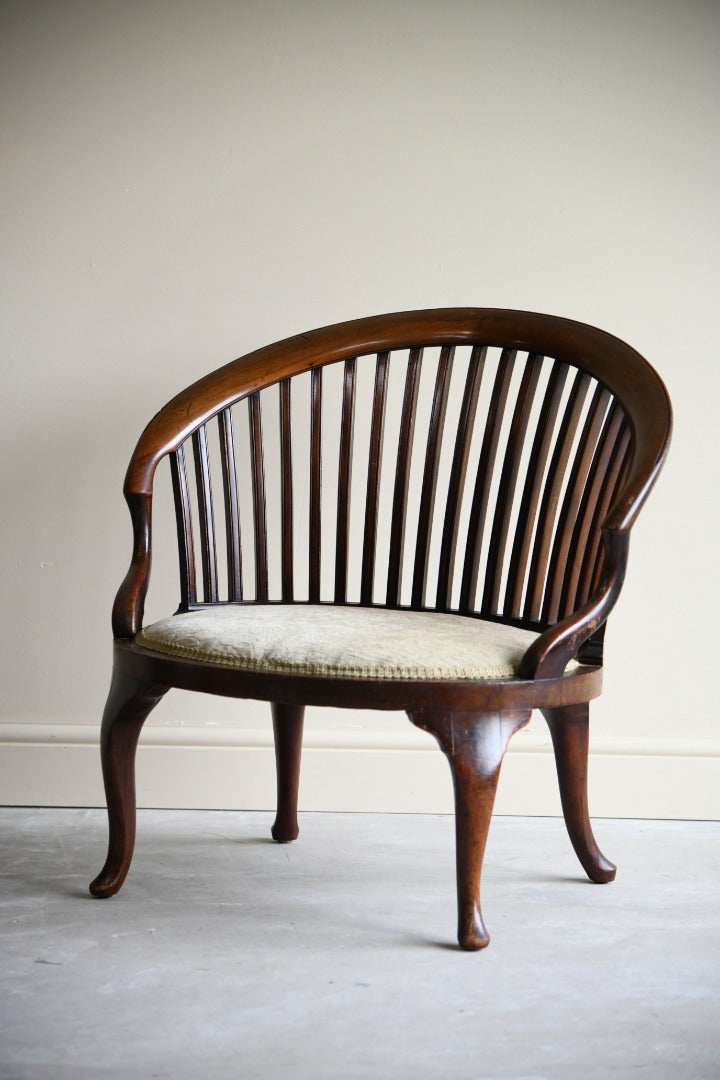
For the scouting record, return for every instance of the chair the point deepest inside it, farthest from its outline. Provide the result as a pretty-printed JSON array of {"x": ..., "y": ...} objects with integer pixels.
[{"x": 427, "y": 511}]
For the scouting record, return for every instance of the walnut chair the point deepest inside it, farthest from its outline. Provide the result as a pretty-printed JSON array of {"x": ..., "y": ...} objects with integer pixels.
[{"x": 427, "y": 511}]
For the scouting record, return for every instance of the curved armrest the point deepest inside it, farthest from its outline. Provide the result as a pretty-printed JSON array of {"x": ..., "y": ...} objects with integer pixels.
[
  {"x": 129, "y": 603},
  {"x": 548, "y": 656}
]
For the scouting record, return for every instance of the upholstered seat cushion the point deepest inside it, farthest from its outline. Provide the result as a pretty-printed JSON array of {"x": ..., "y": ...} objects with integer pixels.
[{"x": 366, "y": 643}]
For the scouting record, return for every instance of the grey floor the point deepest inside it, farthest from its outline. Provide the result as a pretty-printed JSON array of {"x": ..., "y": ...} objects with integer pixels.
[{"x": 227, "y": 955}]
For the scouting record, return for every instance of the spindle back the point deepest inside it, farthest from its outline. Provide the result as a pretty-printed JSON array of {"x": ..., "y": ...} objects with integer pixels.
[{"x": 458, "y": 460}]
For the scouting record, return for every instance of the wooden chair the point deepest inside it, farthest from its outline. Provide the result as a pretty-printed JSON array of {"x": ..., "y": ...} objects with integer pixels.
[{"x": 459, "y": 565}]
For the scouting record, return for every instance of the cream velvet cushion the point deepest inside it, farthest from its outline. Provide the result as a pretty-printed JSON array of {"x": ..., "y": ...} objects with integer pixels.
[{"x": 365, "y": 643}]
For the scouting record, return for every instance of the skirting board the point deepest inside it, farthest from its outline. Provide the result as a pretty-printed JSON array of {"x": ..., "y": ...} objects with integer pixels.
[{"x": 205, "y": 767}]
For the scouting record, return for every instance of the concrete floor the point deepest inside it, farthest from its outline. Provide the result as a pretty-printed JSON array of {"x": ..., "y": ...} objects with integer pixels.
[{"x": 226, "y": 955}]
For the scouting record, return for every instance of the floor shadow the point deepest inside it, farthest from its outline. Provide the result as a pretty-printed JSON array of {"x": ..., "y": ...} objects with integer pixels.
[{"x": 564, "y": 879}]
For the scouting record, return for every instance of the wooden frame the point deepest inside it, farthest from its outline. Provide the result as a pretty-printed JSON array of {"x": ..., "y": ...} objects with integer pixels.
[{"x": 530, "y": 524}]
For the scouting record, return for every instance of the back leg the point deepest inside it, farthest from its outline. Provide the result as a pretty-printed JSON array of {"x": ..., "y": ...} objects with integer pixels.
[
  {"x": 129, "y": 703},
  {"x": 569, "y": 727},
  {"x": 288, "y": 732}
]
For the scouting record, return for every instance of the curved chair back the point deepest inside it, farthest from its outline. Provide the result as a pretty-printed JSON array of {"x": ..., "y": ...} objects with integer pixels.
[{"x": 466, "y": 460}]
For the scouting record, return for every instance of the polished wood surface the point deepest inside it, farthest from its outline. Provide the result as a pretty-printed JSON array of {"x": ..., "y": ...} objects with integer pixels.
[
  {"x": 570, "y": 729},
  {"x": 533, "y": 442},
  {"x": 130, "y": 702},
  {"x": 402, "y": 476},
  {"x": 287, "y": 732},
  {"x": 474, "y": 744}
]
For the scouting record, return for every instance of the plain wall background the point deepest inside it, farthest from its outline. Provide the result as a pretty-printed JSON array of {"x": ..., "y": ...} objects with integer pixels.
[{"x": 184, "y": 182}]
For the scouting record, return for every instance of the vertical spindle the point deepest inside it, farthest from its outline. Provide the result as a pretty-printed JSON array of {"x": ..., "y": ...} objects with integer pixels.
[
  {"x": 373, "y": 483},
  {"x": 315, "y": 538},
  {"x": 344, "y": 482},
  {"x": 485, "y": 470},
  {"x": 258, "y": 491},
  {"x": 232, "y": 517},
  {"x": 402, "y": 478},
  {"x": 286, "y": 505},
  {"x": 208, "y": 557},
  {"x": 183, "y": 519}
]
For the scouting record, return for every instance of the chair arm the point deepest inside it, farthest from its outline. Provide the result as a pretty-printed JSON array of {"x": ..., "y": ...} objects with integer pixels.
[
  {"x": 129, "y": 603},
  {"x": 548, "y": 656}
]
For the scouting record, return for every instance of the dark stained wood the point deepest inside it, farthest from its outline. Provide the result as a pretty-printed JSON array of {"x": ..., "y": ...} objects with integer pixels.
[
  {"x": 596, "y": 475},
  {"x": 463, "y": 439},
  {"x": 571, "y": 502},
  {"x": 344, "y": 480},
  {"x": 205, "y": 515},
  {"x": 569, "y": 728},
  {"x": 551, "y": 496},
  {"x": 591, "y": 650},
  {"x": 288, "y": 732},
  {"x": 129, "y": 604},
  {"x": 589, "y": 470},
  {"x": 315, "y": 536},
  {"x": 258, "y": 492},
  {"x": 429, "y": 486},
  {"x": 475, "y": 745},
  {"x": 506, "y": 488},
  {"x": 603, "y": 356},
  {"x": 373, "y": 485},
  {"x": 286, "y": 503},
  {"x": 527, "y": 514},
  {"x": 129, "y": 703},
  {"x": 549, "y": 654},
  {"x": 486, "y": 466},
  {"x": 614, "y": 486},
  {"x": 186, "y": 548},
  {"x": 232, "y": 513},
  {"x": 402, "y": 478}
]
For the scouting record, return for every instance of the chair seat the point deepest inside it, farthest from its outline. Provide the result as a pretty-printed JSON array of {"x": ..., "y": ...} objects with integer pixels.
[{"x": 353, "y": 642}]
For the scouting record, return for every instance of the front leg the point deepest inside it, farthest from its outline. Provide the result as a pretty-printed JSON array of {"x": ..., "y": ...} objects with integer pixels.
[
  {"x": 129, "y": 703},
  {"x": 475, "y": 744}
]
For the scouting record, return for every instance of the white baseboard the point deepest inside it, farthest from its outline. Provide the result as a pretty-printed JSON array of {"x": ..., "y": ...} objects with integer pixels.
[{"x": 202, "y": 767}]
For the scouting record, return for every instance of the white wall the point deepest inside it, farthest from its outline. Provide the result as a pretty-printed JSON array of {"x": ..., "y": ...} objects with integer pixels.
[{"x": 183, "y": 182}]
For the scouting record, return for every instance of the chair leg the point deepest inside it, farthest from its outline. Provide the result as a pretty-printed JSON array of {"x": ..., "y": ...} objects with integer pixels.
[
  {"x": 569, "y": 728},
  {"x": 129, "y": 703},
  {"x": 475, "y": 745},
  {"x": 288, "y": 732}
]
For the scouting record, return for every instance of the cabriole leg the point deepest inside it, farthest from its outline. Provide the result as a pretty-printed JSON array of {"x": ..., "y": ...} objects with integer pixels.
[
  {"x": 569, "y": 728},
  {"x": 474, "y": 744},
  {"x": 129, "y": 703},
  {"x": 288, "y": 732}
]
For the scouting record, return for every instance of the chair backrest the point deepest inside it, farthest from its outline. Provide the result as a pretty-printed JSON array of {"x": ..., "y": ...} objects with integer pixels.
[{"x": 463, "y": 460}]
